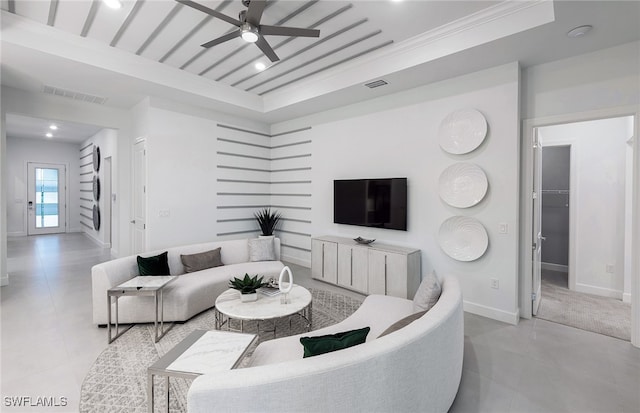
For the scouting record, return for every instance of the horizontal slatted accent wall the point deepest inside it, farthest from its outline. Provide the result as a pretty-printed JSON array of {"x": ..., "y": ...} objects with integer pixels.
[
  {"x": 243, "y": 166},
  {"x": 86, "y": 188},
  {"x": 291, "y": 192},
  {"x": 256, "y": 170}
]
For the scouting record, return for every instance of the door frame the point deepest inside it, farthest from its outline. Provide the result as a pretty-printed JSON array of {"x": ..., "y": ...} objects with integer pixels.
[
  {"x": 526, "y": 182},
  {"x": 66, "y": 194},
  {"x": 143, "y": 141}
]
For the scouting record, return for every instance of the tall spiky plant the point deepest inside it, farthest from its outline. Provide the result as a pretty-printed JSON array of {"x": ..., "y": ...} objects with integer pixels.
[{"x": 267, "y": 220}]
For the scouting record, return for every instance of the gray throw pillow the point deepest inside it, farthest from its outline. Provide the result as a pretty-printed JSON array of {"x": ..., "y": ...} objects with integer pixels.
[
  {"x": 261, "y": 249},
  {"x": 402, "y": 323},
  {"x": 428, "y": 293},
  {"x": 201, "y": 261}
]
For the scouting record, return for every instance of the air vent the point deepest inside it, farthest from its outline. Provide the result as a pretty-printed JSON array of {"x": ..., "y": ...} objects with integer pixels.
[
  {"x": 376, "y": 83},
  {"x": 52, "y": 90}
]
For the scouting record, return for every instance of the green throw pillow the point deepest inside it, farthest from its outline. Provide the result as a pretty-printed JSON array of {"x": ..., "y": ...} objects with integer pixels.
[
  {"x": 158, "y": 265},
  {"x": 314, "y": 346}
]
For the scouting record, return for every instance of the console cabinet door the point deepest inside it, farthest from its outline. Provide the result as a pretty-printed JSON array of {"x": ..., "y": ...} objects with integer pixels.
[
  {"x": 352, "y": 267},
  {"x": 377, "y": 272},
  {"x": 324, "y": 261},
  {"x": 387, "y": 273},
  {"x": 396, "y": 275}
]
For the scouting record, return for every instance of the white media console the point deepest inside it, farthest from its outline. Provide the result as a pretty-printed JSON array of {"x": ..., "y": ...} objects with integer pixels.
[{"x": 370, "y": 269}]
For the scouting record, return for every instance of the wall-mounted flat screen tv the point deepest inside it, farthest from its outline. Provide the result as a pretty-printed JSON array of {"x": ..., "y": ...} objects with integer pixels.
[{"x": 379, "y": 203}]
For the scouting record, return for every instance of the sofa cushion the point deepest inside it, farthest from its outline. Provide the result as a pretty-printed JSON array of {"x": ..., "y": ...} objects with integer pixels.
[
  {"x": 314, "y": 346},
  {"x": 427, "y": 294},
  {"x": 261, "y": 249},
  {"x": 402, "y": 323},
  {"x": 202, "y": 260},
  {"x": 156, "y": 265}
]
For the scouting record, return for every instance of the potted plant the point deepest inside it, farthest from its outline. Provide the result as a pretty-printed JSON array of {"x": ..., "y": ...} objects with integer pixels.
[
  {"x": 248, "y": 287},
  {"x": 267, "y": 221}
]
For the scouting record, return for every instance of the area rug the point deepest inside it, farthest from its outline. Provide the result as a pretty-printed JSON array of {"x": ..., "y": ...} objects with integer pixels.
[
  {"x": 589, "y": 312},
  {"x": 117, "y": 381}
]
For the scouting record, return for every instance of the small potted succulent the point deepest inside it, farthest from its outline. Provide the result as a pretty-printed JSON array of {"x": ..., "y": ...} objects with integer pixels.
[
  {"x": 267, "y": 221},
  {"x": 248, "y": 287}
]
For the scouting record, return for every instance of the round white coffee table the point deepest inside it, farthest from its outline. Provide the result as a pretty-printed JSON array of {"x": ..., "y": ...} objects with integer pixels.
[{"x": 265, "y": 308}]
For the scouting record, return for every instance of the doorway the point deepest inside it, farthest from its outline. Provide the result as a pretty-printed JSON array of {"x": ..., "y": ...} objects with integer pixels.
[
  {"x": 585, "y": 225},
  {"x": 46, "y": 198}
]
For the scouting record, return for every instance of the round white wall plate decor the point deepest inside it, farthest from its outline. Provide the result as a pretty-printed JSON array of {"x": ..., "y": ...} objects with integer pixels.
[
  {"x": 462, "y": 131},
  {"x": 463, "y": 238},
  {"x": 463, "y": 185}
]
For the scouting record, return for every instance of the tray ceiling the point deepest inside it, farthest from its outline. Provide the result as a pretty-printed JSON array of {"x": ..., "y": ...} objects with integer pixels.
[{"x": 171, "y": 33}]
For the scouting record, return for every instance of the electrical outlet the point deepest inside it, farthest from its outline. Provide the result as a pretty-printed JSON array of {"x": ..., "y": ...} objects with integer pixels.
[
  {"x": 611, "y": 268},
  {"x": 495, "y": 283},
  {"x": 164, "y": 213}
]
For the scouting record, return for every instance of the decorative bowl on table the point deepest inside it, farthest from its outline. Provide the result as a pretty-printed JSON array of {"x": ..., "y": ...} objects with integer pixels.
[{"x": 361, "y": 240}]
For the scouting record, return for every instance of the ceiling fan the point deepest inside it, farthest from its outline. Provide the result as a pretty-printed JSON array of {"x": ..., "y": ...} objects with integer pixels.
[{"x": 249, "y": 27}]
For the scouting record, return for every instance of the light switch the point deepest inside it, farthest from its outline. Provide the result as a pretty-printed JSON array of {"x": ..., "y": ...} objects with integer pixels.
[{"x": 503, "y": 228}]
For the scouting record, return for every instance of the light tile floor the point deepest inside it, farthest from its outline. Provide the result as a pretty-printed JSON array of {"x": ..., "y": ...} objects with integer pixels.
[{"x": 48, "y": 343}]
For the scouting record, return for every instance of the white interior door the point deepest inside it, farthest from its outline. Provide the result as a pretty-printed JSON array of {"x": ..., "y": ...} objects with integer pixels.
[
  {"x": 46, "y": 198},
  {"x": 139, "y": 196},
  {"x": 537, "y": 224}
]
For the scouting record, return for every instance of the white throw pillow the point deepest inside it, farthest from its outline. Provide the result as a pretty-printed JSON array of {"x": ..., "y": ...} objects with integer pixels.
[
  {"x": 428, "y": 293},
  {"x": 261, "y": 249}
]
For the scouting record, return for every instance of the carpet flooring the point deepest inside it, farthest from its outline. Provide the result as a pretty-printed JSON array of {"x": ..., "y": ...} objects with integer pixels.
[
  {"x": 589, "y": 312},
  {"x": 117, "y": 381}
]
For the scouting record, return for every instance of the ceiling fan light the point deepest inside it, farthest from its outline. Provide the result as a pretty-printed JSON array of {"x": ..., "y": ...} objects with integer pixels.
[{"x": 249, "y": 33}]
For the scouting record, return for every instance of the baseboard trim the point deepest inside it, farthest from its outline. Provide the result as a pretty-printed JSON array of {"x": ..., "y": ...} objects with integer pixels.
[
  {"x": 4, "y": 280},
  {"x": 626, "y": 297},
  {"x": 17, "y": 234},
  {"x": 603, "y": 292},
  {"x": 97, "y": 241},
  {"x": 295, "y": 260},
  {"x": 493, "y": 313},
  {"x": 554, "y": 267}
]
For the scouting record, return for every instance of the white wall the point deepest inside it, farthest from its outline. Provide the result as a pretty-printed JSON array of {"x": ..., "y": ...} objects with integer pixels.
[
  {"x": 402, "y": 142},
  {"x": 599, "y": 199},
  {"x": 603, "y": 79},
  {"x": 107, "y": 141},
  {"x": 19, "y": 152}
]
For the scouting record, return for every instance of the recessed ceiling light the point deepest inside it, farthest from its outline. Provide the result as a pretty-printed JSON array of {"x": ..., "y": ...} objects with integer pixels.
[
  {"x": 53, "y": 127},
  {"x": 49, "y": 135},
  {"x": 260, "y": 66},
  {"x": 579, "y": 31},
  {"x": 114, "y": 4}
]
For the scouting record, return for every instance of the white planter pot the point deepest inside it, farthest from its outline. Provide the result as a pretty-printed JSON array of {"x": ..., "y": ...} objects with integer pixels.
[
  {"x": 265, "y": 236},
  {"x": 245, "y": 298}
]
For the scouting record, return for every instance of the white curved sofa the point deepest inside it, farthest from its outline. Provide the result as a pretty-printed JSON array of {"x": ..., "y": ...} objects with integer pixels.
[
  {"x": 190, "y": 294},
  {"x": 415, "y": 369}
]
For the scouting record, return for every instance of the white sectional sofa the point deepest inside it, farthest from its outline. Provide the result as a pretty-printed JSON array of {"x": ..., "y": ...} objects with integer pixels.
[
  {"x": 415, "y": 369},
  {"x": 190, "y": 294}
]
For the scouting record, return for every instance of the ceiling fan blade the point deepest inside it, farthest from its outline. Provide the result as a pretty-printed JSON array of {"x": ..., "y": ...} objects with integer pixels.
[
  {"x": 288, "y": 31},
  {"x": 210, "y": 12},
  {"x": 254, "y": 13},
  {"x": 222, "y": 39},
  {"x": 266, "y": 49}
]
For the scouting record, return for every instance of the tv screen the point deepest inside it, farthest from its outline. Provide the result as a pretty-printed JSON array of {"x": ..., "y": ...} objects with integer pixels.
[{"x": 379, "y": 203}]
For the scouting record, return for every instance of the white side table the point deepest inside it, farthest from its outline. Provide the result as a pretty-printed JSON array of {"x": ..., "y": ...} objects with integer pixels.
[
  {"x": 201, "y": 352},
  {"x": 150, "y": 285}
]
